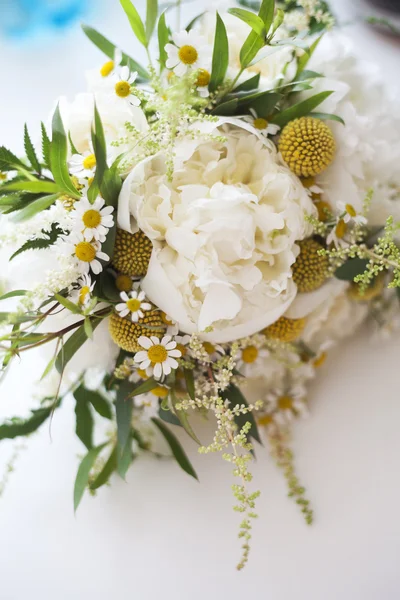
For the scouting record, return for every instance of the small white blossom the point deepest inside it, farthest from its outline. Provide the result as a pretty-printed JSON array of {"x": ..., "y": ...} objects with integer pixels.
[
  {"x": 93, "y": 220},
  {"x": 189, "y": 51},
  {"x": 158, "y": 357},
  {"x": 134, "y": 304}
]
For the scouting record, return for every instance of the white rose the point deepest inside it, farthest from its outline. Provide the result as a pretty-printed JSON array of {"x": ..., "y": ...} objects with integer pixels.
[
  {"x": 224, "y": 231},
  {"x": 270, "y": 68}
]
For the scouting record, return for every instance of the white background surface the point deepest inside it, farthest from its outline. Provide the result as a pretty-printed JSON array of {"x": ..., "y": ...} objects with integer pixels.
[{"x": 162, "y": 534}]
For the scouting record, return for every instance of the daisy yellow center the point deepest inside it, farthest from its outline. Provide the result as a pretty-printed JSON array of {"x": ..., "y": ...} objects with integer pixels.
[
  {"x": 285, "y": 403},
  {"x": 260, "y": 123},
  {"x": 181, "y": 349},
  {"x": 123, "y": 283},
  {"x": 133, "y": 304},
  {"x": 83, "y": 293},
  {"x": 209, "y": 348},
  {"x": 188, "y": 54},
  {"x": 341, "y": 229},
  {"x": 265, "y": 420},
  {"x": 351, "y": 210},
  {"x": 91, "y": 218},
  {"x": 160, "y": 391},
  {"x": 122, "y": 89},
  {"x": 89, "y": 162},
  {"x": 107, "y": 68},
  {"x": 249, "y": 354},
  {"x": 203, "y": 78},
  {"x": 142, "y": 373},
  {"x": 157, "y": 354},
  {"x": 85, "y": 252},
  {"x": 308, "y": 181}
]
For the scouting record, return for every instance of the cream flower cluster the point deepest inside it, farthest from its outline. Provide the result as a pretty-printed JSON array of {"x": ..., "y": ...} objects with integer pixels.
[{"x": 224, "y": 231}]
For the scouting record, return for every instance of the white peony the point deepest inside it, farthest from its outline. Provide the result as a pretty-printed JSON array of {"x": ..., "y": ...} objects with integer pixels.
[
  {"x": 224, "y": 231},
  {"x": 270, "y": 68}
]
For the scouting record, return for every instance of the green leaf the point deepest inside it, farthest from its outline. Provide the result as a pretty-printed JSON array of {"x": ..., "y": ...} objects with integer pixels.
[
  {"x": 226, "y": 109},
  {"x": 250, "y": 84},
  {"x": 108, "y": 48},
  {"x": 220, "y": 56},
  {"x": 72, "y": 345},
  {"x": 351, "y": 268},
  {"x": 8, "y": 161},
  {"x": 262, "y": 102},
  {"x": 84, "y": 420},
  {"x": 189, "y": 379},
  {"x": 123, "y": 409},
  {"x": 327, "y": 117},
  {"x": 68, "y": 304},
  {"x": 235, "y": 397},
  {"x": 163, "y": 38},
  {"x": 183, "y": 419},
  {"x": 40, "y": 244},
  {"x": 58, "y": 156},
  {"x": 303, "y": 60},
  {"x": 194, "y": 21},
  {"x": 21, "y": 427},
  {"x": 72, "y": 145},
  {"x": 143, "y": 388},
  {"x": 87, "y": 324},
  {"x": 30, "y": 151},
  {"x": 106, "y": 472},
  {"x": 99, "y": 403},
  {"x": 45, "y": 146},
  {"x": 254, "y": 42},
  {"x": 176, "y": 448},
  {"x": 82, "y": 476},
  {"x": 300, "y": 109},
  {"x": 106, "y": 180},
  {"x": 13, "y": 294},
  {"x": 169, "y": 417},
  {"x": 35, "y": 207},
  {"x": 151, "y": 17},
  {"x": 36, "y": 187},
  {"x": 255, "y": 22},
  {"x": 124, "y": 458},
  {"x": 277, "y": 22},
  {"x": 135, "y": 21}
]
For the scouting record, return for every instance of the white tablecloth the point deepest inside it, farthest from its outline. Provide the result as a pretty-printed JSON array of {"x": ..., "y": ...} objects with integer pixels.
[{"x": 162, "y": 534}]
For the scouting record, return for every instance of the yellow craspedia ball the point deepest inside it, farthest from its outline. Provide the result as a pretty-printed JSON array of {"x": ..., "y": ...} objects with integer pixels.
[
  {"x": 126, "y": 334},
  {"x": 132, "y": 253},
  {"x": 310, "y": 269},
  {"x": 285, "y": 330},
  {"x": 307, "y": 145}
]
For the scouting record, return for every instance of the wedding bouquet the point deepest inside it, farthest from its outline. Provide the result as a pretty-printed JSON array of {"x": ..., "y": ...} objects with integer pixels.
[{"x": 196, "y": 234}]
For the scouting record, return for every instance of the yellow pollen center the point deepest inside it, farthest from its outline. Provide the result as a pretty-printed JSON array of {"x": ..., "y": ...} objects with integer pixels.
[
  {"x": 351, "y": 210},
  {"x": 249, "y": 354},
  {"x": 209, "y": 348},
  {"x": 157, "y": 354},
  {"x": 91, "y": 218},
  {"x": 123, "y": 283},
  {"x": 265, "y": 420},
  {"x": 107, "y": 68},
  {"x": 83, "y": 293},
  {"x": 89, "y": 162},
  {"x": 160, "y": 391},
  {"x": 85, "y": 251},
  {"x": 341, "y": 229},
  {"x": 203, "y": 78},
  {"x": 285, "y": 403},
  {"x": 188, "y": 55},
  {"x": 181, "y": 348},
  {"x": 142, "y": 374},
  {"x": 133, "y": 304},
  {"x": 260, "y": 123},
  {"x": 308, "y": 181},
  {"x": 122, "y": 89}
]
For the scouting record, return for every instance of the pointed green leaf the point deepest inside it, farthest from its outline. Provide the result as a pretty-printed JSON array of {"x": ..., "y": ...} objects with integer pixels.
[
  {"x": 82, "y": 476},
  {"x": 300, "y": 109},
  {"x": 99, "y": 403},
  {"x": 176, "y": 448},
  {"x": 189, "y": 379},
  {"x": 163, "y": 38},
  {"x": 135, "y": 21},
  {"x": 124, "y": 458},
  {"x": 226, "y": 109},
  {"x": 72, "y": 345},
  {"x": 58, "y": 156},
  {"x": 35, "y": 207},
  {"x": 151, "y": 17},
  {"x": 13, "y": 294},
  {"x": 21, "y": 427},
  {"x": 249, "y": 84},
  {"x": 36, "y": 187},
  {"x": 30, "y": 151},
  {"x": 194, "y": 21},
  {"x": 106, "y": 472},
  {"x": 303, "y": 60},
  {"x": 168, "y": 416},
  {"x": 41, "y": 243},
  {"x": 220, "y": 58},
  {"x": 8, "y": 161},
  {"x": 108, "y": 48},
  {"x": 68, "y": 304},
  {"x": 84, "y": 421},
  {"x": 255, "y": 22},
  {"x": 45, "y": 146},
  {"x": 254, "y": 42},
  {"x": 123, "y": 410},
  {"x": 144, "y": 387},
  {"x": 327, "y": 117},
  {"x": 183, "y": 419}
]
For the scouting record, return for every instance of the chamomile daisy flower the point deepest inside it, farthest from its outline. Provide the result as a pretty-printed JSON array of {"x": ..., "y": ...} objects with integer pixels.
[
  {"x": 123, "y": 87},
  {"x": 93, "y": 220},
  {"x": 182, "y": 344},
  {"x": 250, "y": 360},
  {"x": 261, "y": 124},
  {"x": 158, "y": 357},
  {"x": 349, "y": 213},
  {"x": 82, "y": 165},
  {"x": 337, "y": 234},
  {"x": 86, "y": 254},
  {"x": 149, "y": 405},
  {"x": 285, "y": 405},
  {"x": 83, "y": 293},
  {"x": 189, "y": 51},
  {"x": 133, "y": 305},
  {"x": 202, "y": 81}
]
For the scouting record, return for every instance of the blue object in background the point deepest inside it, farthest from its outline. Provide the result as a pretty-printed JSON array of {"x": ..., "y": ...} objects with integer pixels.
[{"x": 23, "y": 18}]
